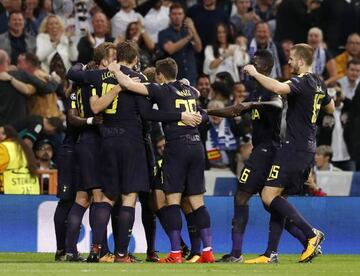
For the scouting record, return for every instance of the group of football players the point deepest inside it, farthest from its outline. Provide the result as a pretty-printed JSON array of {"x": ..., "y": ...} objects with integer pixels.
[{"x": 107, "y": 157}]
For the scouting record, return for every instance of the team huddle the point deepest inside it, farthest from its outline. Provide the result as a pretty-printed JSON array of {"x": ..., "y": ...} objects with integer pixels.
[{"x": 108, "y": 139}]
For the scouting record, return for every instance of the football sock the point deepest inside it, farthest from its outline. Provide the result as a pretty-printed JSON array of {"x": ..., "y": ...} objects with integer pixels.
[
  {"x": 276, "y": 225},
  {"x": 60, "y": 220},
  {"x": 161, "y": 214},
  {"x": 194, "y": 234},
  {"x": 174, "y": 224},
  {"x": 114, "y": 224},
  {"x": 101, "y": 212},
  {"x": 149, "y": 222},
  {"x": 239, "y": 222},
  {"x": 295, "y": 232},
  {"x": 202, "y": 220},
  {"x": 282, "y": 206},
  {"x": 73, "y": 228},
  {"x": 125, "y": 225}
]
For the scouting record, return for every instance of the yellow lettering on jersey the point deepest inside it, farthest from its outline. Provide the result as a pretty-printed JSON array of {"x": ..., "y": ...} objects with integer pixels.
[
  {"x": 189, "y": 105},
  {"x": 255, "y": 114},
  {"x": 244, "y": 176},
  {"x": 80, "y": 105},
  {"x": 106, "y": 75},
  {"x": 274, "y": 172},
  {"x": 184, "y": 93},
  {"x": 106, "y": 87},
  {"x": 317, "y": 104}
]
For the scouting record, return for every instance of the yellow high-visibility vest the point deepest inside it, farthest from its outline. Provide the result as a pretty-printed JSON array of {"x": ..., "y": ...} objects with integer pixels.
[{"x": 17, "y": 178}]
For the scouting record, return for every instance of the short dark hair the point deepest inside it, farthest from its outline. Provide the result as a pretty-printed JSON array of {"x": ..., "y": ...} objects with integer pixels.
[
  {"x": 32, "y": 59},
  {"x": 102, "y": 51},
  {"x": 167, "y": 67},
  {"x": 352, "y": 62},
  {"x": 127, "y": 51},
  {"x": 175, "y": 6},
  {"x": 304, "y": 51},
  {"x": 15, "y": 12},
  {"x": 264, "y": 61},
  {"x": 202, "y": 76}
]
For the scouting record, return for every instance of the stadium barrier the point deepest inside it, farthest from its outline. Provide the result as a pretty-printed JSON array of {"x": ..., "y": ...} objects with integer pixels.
[
  {"x": 220, "y": 182},
  {"x": 26, "y": 225}
]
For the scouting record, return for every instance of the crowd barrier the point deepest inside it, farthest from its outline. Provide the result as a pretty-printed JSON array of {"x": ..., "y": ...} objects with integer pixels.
[
  {"x": 26, "y": 225},
  {"x": 220, "y": 182}
]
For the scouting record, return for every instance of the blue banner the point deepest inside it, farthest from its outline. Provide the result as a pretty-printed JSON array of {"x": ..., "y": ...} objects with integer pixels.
[{"x": 26, "y": 225}]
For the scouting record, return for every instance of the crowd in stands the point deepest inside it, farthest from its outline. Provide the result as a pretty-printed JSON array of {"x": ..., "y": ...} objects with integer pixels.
[{"x": 210, "y": 41}]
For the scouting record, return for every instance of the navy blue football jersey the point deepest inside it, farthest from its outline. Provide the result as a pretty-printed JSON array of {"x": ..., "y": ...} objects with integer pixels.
[
  {"x": 308, "y": 93},
  {"x": 175, "y": 97},
  {"x": 266, "y": 119}
]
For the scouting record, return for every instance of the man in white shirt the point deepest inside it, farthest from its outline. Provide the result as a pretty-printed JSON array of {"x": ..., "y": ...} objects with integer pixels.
[
  {"x": 156, "y": 20},
  {"x": 123, "y": 17},
  {"x": 350, "y": 81}
]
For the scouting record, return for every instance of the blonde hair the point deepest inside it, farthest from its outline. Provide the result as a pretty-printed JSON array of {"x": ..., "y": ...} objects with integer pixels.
[{"x": 43, "y": 25}]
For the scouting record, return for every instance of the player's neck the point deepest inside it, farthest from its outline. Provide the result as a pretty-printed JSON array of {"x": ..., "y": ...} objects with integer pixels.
[
  {"x": 305, "y": 70},
  {"x": 123, "y": 63}
]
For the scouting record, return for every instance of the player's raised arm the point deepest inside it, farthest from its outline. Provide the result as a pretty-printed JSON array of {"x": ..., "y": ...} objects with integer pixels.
[
  {"x": 269, "y": 83},
  {"x": 126, "y": 82},
  {"x": 99, "y": 104}
]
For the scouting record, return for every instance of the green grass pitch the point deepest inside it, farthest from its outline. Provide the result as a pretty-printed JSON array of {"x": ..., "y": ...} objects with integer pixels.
[{"x": 42, "y": 264}]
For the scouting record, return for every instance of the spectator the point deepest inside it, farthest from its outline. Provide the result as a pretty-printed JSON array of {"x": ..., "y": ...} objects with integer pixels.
[
  {"x": 7, "y": 7},
  {"x": 16, "y": 40},
  {"x": 239, "y": 93},
  {"x": 221, "y": 142},
  {"x": 123, "y": 17},
  {"x": 29, "y": 15},
  {"x": 243, "y": 154},
  {"x": 324, "y": 64},
  {"x": 223, "y": 56},
  {"x": 43, "y": 9},
  {"x": 17, "y": 164},
  {"x": 136, "y": 32},
  {"x": 206, "y": 17},
  {"x": 351, "y": 80},
  {"x": 311, "y": 188},
  {"x": 334, "y": 130},
  {"x": 156, "y": 20},
  {"x": 352, "y": 51},
  {"x": 180, "y": 41},
  {"x": 55, "y": 48},
  {"x": 44, "y": 152},
  {"x": 90, "y": 41},
  {"x": 338, "y": 19},
  {"x": 45, "y": 103},
  {"x": 245, "y": 19},
  {"x": 13, "y": 92},
  {"x": 203, "y": 85},
  {"x": 221, "y": 92},
  {"x": 322, "y": 159},
  {"x": 262, "y": 40},
  {"x": 264, "y": 9},
  {"x": 286, "y": 46},
  {"x": 294, "y": 18}
]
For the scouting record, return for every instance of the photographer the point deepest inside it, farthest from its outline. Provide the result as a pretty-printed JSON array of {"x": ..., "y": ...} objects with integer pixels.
[{"x": 334, "y": 130}]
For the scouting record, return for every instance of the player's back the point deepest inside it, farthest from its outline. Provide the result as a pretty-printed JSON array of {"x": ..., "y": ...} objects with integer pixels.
[
  {"x": 308, "y": 93},
  {"x": 175, "y": 97},
  {"x": 266, "y": 119}
]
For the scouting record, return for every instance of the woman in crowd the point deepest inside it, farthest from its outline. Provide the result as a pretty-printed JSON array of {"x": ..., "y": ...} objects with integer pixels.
[
  {"x": 135, "y": 31},
  {"x": 55, "y": 47},
  {"x": 223, "y": 56}
]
